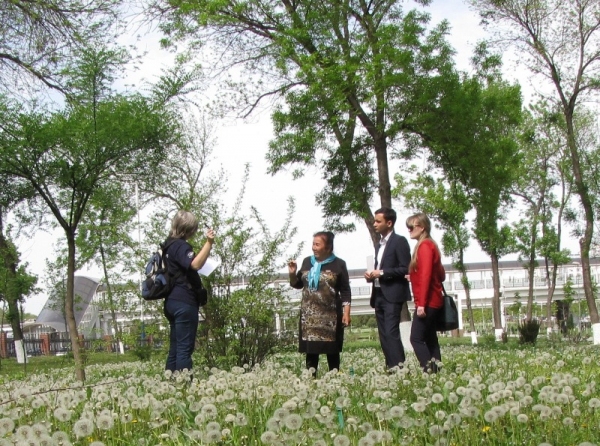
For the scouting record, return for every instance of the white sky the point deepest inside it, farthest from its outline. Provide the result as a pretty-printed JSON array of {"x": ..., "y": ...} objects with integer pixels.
[{"x": 247, "y": 142}]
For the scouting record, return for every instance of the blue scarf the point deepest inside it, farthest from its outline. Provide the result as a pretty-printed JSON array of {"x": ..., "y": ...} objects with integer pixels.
[{"x": 315, "y": 272}]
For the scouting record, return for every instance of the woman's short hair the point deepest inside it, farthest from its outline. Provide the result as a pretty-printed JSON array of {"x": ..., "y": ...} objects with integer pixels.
[
  {"x": 184, "y": 225},
  {"x": 327, "y": 237}
]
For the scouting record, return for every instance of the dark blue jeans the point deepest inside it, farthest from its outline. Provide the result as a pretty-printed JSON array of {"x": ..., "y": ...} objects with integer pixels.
[{"x": 183, "y": 323}]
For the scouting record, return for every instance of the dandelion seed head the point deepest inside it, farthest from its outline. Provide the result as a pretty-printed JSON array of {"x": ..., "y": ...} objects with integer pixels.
[
  {"x": 6, "y": 425},
  {"x": 436, "y": 430},
  {"x": 83, "y": 428},
  {"x": 568, "y": 421},
  {"x": 366, "y": 441},
  {"x": 240, "y": 419},
  {"x": 209, "y": 411},
  {"x": 212, "y": 436},
  {"x": 374, "y": 436},
  {"x": 437, "y": 398},
  {"x": 268, "y": 437},
  {"x": 293, "y": 421},
  {"x": 372, "y": 407},
  {"x": 105, "y": 422},
  {"x": 490, "y": 416},
  {"x": 324, "y": 411},
  {"x": 341, "y": 440},
  {"x": 419, "y": 406},
  {"x": 274, "y": 424},
  {"x": 213, "y": 426}
]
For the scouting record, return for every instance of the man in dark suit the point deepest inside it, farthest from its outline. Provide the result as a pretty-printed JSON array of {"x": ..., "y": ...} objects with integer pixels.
[{"x": 390, "y": 287}]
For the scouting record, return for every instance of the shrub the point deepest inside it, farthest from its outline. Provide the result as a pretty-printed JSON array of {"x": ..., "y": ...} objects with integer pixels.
[
  {"x": 528, "y": 331},
  {"x": 143, "y": 352}
]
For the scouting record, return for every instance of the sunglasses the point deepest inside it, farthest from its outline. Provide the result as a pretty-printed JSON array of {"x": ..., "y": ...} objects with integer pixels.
[{"x": 411, "y": 227}]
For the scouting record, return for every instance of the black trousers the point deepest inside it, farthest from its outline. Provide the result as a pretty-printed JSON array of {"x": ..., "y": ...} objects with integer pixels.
[
  {"x": 423, "y": 337},
  {"x": 388, "y": 326},
  {"x": 312, "y": 360}
]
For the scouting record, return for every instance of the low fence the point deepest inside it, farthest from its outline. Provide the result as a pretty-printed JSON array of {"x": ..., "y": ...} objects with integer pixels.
[{"x": 56, "y": 344}]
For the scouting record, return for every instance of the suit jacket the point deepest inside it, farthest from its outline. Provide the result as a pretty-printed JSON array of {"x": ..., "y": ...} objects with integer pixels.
[{"x": 394, "y": 264}]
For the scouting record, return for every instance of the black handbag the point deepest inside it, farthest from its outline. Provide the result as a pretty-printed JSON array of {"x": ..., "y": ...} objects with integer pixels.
[
  {"x": 448, "y": 316},
  {"x": 201, "y": 295}
]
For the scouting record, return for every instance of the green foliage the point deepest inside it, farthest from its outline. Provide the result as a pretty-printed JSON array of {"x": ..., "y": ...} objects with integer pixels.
[
  {"x": 71, "y": 156},
  {"x": 143, "y": 352},
  {"x": 528, "y": 331},
  {"x": 568, "y": 63},
  {"x": 353, "y": 79},
  {"x": 240, "y": 325},
  {"x": 38, "y": 37},
  {"x": 15, "y": 282}
]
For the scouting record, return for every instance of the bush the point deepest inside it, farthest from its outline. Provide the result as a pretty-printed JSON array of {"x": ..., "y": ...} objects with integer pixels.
[
  {"x": 143, "y": 352},
  {"x": 240, "y": 327},
  {"x": 528, "y": 331}
]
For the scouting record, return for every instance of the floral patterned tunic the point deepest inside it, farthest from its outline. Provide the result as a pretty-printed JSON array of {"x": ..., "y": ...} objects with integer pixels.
[{"x": 321, "y": 329}]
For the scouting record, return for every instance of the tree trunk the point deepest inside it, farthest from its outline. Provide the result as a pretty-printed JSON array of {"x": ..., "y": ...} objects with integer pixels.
[
  {"x": 531, "y": 274},
  {"x": 385, "y": 194},
  {"x": 551, "y": 281},
  {"x": 76, "y": 347},
  {"x": 111, "y": 302},
  {"x": 383, "y": 173},
  {"x": 9, "y": 258},
  {"x": 586, "y": 241},
  {"x": 467, "y": 286},
  {"x": 496, "y": 299}
]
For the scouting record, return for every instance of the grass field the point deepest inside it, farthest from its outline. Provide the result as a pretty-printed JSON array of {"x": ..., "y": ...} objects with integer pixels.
[{"x": 489, "y": 394}]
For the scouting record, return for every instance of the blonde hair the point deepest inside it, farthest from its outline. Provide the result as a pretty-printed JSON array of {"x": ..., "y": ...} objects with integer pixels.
[
  {"x": 422, "y": 220},
  {"x": 184, "y": 225}
]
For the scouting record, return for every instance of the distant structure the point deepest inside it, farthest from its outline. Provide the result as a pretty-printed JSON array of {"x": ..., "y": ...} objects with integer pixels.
[{"x": 52, "y": 315}]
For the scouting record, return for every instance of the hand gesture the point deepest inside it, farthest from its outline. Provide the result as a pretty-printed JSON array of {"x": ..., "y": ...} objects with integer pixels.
[
  {"x": 210, "y": 235},
  {"x": 292, "y": 266}
]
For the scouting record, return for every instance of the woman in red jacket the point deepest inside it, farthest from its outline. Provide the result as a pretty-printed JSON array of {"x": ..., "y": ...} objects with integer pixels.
[{"x": 426, "y": 275}]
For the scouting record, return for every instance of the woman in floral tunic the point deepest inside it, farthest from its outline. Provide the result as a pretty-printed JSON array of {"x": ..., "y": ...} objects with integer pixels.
[{"x": 325, "y": 307}]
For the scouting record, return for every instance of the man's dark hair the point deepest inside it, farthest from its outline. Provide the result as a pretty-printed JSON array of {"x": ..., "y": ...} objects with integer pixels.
[{"x": 388, "y": 214}]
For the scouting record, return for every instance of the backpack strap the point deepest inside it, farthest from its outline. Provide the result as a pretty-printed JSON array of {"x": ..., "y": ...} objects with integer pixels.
[{"x": 165, "y": 246}]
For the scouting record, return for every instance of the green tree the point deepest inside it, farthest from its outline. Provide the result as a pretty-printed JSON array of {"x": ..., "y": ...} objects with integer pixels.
[
  {"x": 56, "y": 286},
  {"x": 544, "y": 190},
  {"x": 480, "y": 151},
  {"x": 448, "y": 205},
  {"x": 183, "y": 180},
  {"x": 353, "y": 78},
  {"x": 104, "y": 238},
  {"x": 37, "y": 37},
  {"x": 70, "y": 155},
  {"x": 559, "y": 41},
  {"x": 15, "y": 285},
  {"x": 245, "y": 307}
]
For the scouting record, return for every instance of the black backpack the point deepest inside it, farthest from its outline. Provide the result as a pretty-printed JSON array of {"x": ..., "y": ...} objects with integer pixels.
[{"x": 158, "y": 283}]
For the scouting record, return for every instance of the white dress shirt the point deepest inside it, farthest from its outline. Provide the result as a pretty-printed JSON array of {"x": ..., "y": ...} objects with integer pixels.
[{"x": 382, "y": 244}]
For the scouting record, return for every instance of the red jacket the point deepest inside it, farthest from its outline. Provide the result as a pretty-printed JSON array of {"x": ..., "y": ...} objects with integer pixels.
[{"x": 426, "y": 280}]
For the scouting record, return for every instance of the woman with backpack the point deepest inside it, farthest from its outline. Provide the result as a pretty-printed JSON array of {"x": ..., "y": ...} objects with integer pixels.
[{"x": 183, "y": 302}]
